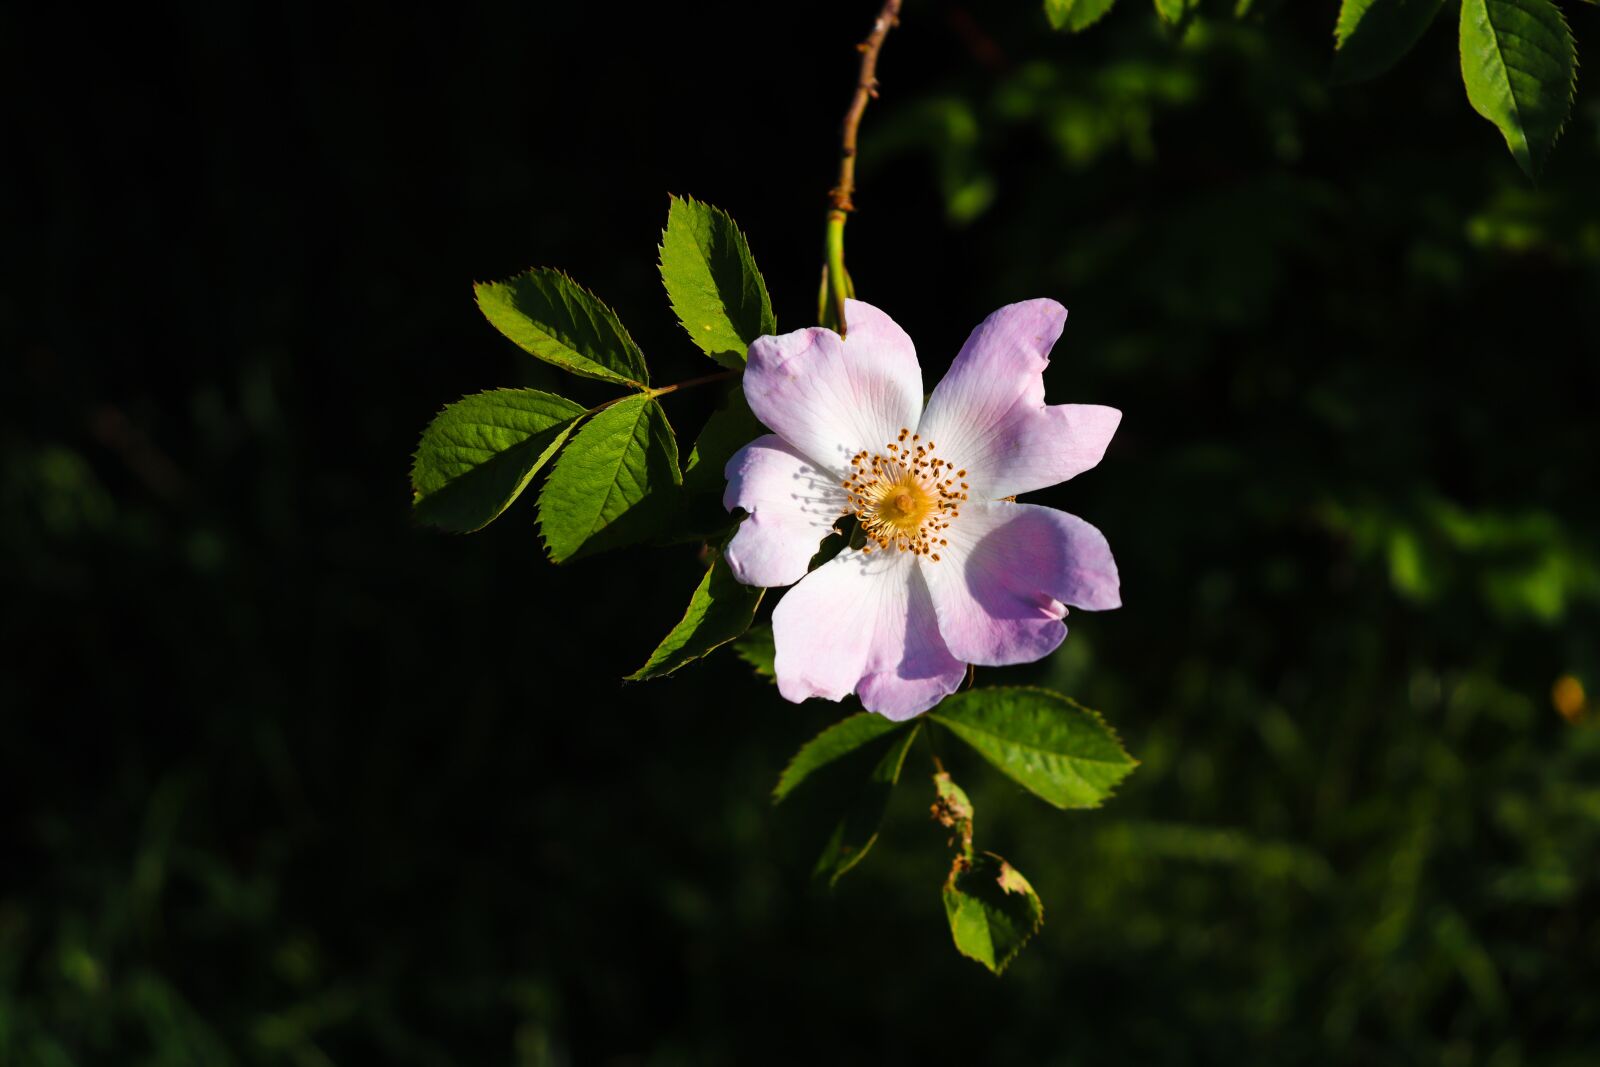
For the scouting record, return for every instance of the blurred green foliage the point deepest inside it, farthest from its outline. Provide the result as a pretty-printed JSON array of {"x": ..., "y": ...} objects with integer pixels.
[{"x": 288, "y": 780}]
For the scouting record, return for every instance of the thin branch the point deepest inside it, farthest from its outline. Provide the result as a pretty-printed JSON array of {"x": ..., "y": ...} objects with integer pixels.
[
  {"x": 704, "y": 379},
  {"x": 866, "y": 89},
  {"x": 840, "y": 202},
  {"x": 152, "y": 466},
  {"x": 663, "y": 390}
]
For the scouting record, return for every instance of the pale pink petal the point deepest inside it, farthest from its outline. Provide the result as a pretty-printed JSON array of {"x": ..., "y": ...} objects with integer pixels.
[
  {"x": 831, "y": 398},
  {"x": 792, "y": 506},
  {"x": 864, "y": 624},
  {"x": 988, "y": 415},
  {"x": 1001, "y": 584}
]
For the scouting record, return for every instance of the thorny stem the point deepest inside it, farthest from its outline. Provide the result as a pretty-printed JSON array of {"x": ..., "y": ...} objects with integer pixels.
[{"x": 839, "y": 199}]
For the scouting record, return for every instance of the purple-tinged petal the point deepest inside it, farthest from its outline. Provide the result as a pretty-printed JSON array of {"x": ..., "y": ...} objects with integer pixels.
[
  {"x": 865, "y": 624},
  {"x": 988, "y": 415},
  {"x": 792, "y": 505},
  {"x": 831, "y": 398},
  {"x": 1001, "y": 586}
]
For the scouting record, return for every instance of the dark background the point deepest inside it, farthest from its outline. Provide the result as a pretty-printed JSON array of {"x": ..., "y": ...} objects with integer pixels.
[{"x": 285, "y": 778}]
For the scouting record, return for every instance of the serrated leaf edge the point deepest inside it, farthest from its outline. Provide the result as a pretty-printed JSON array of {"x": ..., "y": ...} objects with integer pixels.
[
  {"x": 555, "y": 447},
  {"x": 1531, "y": 167},
  {"x": 627, "y": 337},
  {"x": 779, "y": 793},
  {"x": 640, "y": 676},
  {"x": 544, "y": 540},
  {"x": 769, "y": 317},
  {"x": 755, "y": 667},
  {"x": 1000, "y": 965},
  {"x": 1110, "y": 791}
]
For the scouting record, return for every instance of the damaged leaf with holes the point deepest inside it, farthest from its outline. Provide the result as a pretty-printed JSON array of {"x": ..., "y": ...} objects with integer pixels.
[{"x": 993, "y": 911}]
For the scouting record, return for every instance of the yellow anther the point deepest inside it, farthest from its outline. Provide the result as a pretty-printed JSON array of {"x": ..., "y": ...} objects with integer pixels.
[{"x": 898, "y": 498}]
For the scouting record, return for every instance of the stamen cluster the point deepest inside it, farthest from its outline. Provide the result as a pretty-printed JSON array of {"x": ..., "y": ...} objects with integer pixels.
[{"x": 905, "y": 496}]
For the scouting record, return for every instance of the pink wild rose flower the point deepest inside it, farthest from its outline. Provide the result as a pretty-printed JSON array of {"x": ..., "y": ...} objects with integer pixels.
[{"x": 953, "y": 571}]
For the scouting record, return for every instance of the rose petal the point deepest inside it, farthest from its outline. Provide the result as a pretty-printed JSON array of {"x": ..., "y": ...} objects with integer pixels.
[
  {"x": 831, "y": 398},
  {"x": 792, "y": 506},
  {"x": 864, "y": 623},
  {"x": 988, "y": 415},
  {"x": 1001, "y": 584}
]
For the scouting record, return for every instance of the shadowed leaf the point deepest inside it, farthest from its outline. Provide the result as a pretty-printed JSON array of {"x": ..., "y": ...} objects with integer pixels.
[
  {"x": 1372, "y": 35},
  {"x": 597, "y": 493},
  {"x": 719, "y": 611},
  {"x": 551, "y": 316},
  {"x": 729, "y": 429},
  {"x": 479, "y": 453},
  {"x": 757, "y": 649},
  {"x": 840, "y": 739},
  {"x": 857, "y": 831}
]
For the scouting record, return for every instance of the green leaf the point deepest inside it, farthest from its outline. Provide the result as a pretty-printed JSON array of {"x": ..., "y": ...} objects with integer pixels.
[
  {"x": 720, "y": 610},
  {"x": 1059, "y": 751},
  {"x": 1075, "y": 15},
  {"x": 857, "y": 831},
  {"x": 1176, "y": 11},
  {"x": 840, "y": 739},
  {"x": 729, "y": 429},
  {"x": 1372, "y": 35},
  {"x": 757, "y": 648},
  {"x": 1520, "y": 67},
  {"x": 478, "y": 454},
  {"x": 712, "y": 281},
  {"x": 595, "y": 498},
  {"x": 992, "y": 909},
  {"x": 551, "y": 316},
  {"x": 952, "y": 809}
]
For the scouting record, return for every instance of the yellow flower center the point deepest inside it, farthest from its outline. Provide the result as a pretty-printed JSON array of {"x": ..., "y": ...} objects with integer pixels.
[{"x": 904, "y": 496}]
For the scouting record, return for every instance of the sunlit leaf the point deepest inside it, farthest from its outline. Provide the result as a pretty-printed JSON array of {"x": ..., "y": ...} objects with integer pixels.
[
  {"x": 719, "y": 611},
  {"x": 1059, "y": 751},
  {"x": 1176, "y": 11},
  {"x": 1372, "y": 35},
  {"x": 596, "y": 495},
  {"x": 479, "y": 453},
  {"x": 992, "y": 909},
  {"x": 712, "y": 281},
  {"x": 552, "y": 317},
  {"x": 1520, "y": 67},
  {"x": 1075, "y": 15}
]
